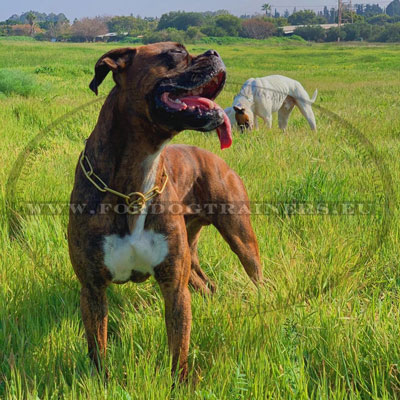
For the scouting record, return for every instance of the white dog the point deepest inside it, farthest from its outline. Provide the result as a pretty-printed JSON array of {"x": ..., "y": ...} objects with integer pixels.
[{"x": 263, "y": 96}]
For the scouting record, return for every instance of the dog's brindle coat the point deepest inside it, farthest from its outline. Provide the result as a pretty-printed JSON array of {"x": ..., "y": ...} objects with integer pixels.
[{"x": 126, "y": 149}]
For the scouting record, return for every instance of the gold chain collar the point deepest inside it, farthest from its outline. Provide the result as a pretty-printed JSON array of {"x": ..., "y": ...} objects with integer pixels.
[{"x": 136, "y": 201}]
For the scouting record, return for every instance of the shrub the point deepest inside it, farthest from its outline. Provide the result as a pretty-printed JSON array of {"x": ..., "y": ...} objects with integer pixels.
[
  {"x": 379, "y": 19},
  {"x": 86, "y": 29},
  {"x": 193, "y": 34},
  {"x": 315, "y": 33},
  {"x": 180, "y": 20},
  {"x": 23, "y": 30},
  {"x": 229, "y": 24},
  {"x": 332, "y": 34},
  {"x": 257, "y": 28},
  {"x": 390, "y": 33},
  {"x": 129, "y": 39},
  {"x": 213, "y": 31},
  {"x": 18, "y": 38},
  {"x": 166, "y": 35},
  {"x": 17, "y": 82},
  {"x": 305, "y": 17}
]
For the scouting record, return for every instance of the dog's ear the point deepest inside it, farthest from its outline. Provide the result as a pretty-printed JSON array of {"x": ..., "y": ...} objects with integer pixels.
[
  {"x": 238, "y": 110},
  {"x": 115, "y": 60}
]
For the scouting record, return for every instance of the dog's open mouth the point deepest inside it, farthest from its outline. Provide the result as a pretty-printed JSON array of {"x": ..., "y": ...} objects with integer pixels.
[{"x": 196, "y": 106}]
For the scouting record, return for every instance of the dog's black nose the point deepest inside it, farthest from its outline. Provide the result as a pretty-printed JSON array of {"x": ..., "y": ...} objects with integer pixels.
[{"x": 211, "y": 53}]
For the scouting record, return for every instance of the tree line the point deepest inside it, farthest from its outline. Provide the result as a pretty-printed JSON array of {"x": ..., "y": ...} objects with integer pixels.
[{"x": 364, "y": 22}]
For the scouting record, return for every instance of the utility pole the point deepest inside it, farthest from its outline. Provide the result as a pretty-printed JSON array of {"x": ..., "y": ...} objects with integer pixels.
[{"x": 339, "y": 17}]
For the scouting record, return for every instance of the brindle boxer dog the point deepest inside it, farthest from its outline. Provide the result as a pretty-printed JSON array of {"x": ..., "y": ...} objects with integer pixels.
[{"x": 160, "y": 90}]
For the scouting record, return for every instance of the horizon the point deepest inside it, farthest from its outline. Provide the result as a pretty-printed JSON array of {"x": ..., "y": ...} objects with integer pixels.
[{"x": 74, "y": 9}]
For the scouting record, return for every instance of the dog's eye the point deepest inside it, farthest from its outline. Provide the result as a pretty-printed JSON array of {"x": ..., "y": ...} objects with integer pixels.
[
  {"x": 177, "y": 54},
  {"x": 174, "y": 56}
]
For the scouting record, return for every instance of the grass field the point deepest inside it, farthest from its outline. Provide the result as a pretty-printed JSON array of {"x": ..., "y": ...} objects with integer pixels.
[{"x": 327, "y": 323}]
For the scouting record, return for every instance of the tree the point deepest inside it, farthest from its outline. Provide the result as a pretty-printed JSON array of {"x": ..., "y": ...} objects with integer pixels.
[
  {"x": 88, "y": 28},
  {"x": 58, "y": 29},
  {"x": 267, "y": 8},
  {"x": 333, "y": 16},
  {"x": 31, "y": 18},
  {"x": 193, "y": 33},
  {"x": 257, "y": 28},
  {"x": 130, "y": 25},
  {"x": 334, "y": 33},
  {"x": 372, "y": 9},
  {"x": 390, "y": 33},
  {"x": 326, "y": 13},
  {"x": 378, "y": 19},
  {"x": 279, "y": 21},
  {"x": 229, "y": 23},
  {"x": 315, "y": 33},
  {"x": 304, "y": 17},
  {"x": 393, "y": 8},
  {"x": 180, "y": 20},
  {"x": 167, "y": 35}
]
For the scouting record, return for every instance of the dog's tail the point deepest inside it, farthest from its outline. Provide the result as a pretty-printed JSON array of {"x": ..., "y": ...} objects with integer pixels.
[{"x": 314, "y": 96}]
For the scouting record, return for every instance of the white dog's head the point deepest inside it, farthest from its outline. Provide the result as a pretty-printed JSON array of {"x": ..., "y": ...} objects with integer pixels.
[{"x": 243, "y": 112}]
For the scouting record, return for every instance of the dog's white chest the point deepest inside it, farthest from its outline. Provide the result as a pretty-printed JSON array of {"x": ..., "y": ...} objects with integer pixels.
[{"x": 140, "y": 251}]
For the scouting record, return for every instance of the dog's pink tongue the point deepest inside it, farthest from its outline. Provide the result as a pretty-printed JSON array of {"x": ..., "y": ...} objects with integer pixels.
[{"x": 224, "y": 131}]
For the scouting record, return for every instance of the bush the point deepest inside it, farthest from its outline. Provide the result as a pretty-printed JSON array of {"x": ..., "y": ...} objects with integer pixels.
[
  {"x": 129, "y": 39},
  {"x": 257, "y": 28},
  {"x": 305, "y": 17},
  {"x": 376, "y": 31},
  {"x": 315, "y": 33},
  {"x": 180, "y": 20},
  {"x": 229, "y": 24},
  {"x": 213, "y": 31},
  {"x": 332, "y": 34},
  {"x": 379, "y": 19},
  {"x": 18, "y": 38},
  {"x": 390, "y": 33},
  {"x": 17, "y": 82},
  {"x": 166, "y": 35},
  {"x": 194, "y": 34}
]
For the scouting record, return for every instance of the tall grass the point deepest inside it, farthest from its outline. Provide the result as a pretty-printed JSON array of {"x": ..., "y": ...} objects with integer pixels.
[
  {"x": 15, "y": 82},
  {"x": 326, "y": 325}
]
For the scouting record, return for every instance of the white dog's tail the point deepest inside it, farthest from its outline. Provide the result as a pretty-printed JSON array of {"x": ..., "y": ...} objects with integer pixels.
[{"x": 314, "y": 96}]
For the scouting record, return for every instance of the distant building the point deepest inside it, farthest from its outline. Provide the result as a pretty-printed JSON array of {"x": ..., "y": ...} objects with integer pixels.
[
  {"x": 107, "y": 36},
  {"x": 288, "y": 30}
]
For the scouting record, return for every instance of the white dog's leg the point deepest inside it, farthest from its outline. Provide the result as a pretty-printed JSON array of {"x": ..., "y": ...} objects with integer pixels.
[
  {"x": 266, "y": 115},
  {"x": 306, "y": 110},
  {"x": 268, "y": 122},
  {"x": 255, "y": 122},
  {"x": 285, "y": 111}
]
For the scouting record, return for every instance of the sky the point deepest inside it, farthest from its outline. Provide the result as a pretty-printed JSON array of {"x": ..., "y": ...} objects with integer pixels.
[{"x": 154, "y": 8}]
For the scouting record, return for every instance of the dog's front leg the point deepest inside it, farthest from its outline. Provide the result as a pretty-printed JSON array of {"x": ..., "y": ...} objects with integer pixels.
[
  {"x": 95, "y": 317},
  {"x": 173, "y": 282}
]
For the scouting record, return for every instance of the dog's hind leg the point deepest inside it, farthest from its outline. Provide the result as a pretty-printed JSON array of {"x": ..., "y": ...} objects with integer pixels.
[
  {"x": 237, "y": 231},
  {"x": 95, "y": 317},
  {"x": 285, "y": 111},
  {"x": 198, "y": 280}
]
